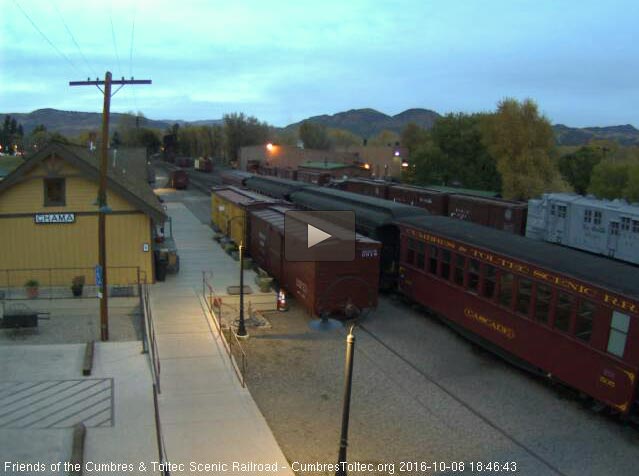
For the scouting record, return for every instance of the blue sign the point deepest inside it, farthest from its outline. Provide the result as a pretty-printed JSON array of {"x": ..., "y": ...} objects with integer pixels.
[{"x": 98, "y": 275}]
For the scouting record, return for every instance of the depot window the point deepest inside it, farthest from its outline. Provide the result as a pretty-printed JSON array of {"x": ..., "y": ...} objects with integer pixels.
[
  {"x": 625, "y": 223},
  {"x": 54, "y": 192},
  {"x": 614, "y": 228},
  {"x": 561, "y": 211},
  {"x": 618, "y": 333},
  {"x": 583, "y": 322},
  {"x": 635, "y": 226}
]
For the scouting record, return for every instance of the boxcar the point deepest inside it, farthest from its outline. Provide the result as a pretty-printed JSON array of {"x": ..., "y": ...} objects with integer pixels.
[
  {"x": 561, "y": 312},
  {"x": 178, "y": 179},
  {"x": 287, "y": 173},
  {"x": 435, "y": 201},
  {"x": 234, "y": 177},
  {"x": 274, "y": 187},
  {"x": 372, "y": 188},
  {"x": 497, "y": 213},
  {"x": 229, "y": 210},
  {"x": 316, "y": 178},
  {"x": 320, "y": 286},
  {"x": 203, "y": 164}
]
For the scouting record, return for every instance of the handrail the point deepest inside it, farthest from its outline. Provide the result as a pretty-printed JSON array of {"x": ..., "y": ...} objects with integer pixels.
[
  {"x": 230, "y": 341},
  {"x": 149, "y": 340},
  {"x": 160, "y": 435}
]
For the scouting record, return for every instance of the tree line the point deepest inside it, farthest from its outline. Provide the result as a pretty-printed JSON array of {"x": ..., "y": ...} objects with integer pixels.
[{"x": 513, "y": 151}]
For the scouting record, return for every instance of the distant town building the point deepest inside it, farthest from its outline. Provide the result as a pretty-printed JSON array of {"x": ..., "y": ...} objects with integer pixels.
[
  {"x": 380, "y": 161},
  {"x": 49, "y": 217}
]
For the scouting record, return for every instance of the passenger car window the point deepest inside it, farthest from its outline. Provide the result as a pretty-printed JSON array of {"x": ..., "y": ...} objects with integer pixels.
[
  {"x": 542, "y": 302},
  {"x": 473, "y": 275},
  {"x": 524, "y": 297},
  {"x": 563, "y": 311},
  {"x": 433, "y": 259},
  {"x": 460, "y": 262},
  {"x": 489, "y": 281},
  {"x": 506, "y": 289},
  {"x": 421, "y": 254},
  {"x": 618, "y": 333},
  {"x": 445, "y": 269},
  {"x": 583, "y": 321}
]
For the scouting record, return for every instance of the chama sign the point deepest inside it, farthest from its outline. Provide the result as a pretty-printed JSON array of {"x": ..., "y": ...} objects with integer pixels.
[{"x": 47, "y": 218}]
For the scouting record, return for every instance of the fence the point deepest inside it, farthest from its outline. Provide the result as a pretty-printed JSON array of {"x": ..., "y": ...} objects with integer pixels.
[
  {"x": 149, "y": 342},
  {"x": 56, "y": 283},
  {"x": 229, "y": 338}
]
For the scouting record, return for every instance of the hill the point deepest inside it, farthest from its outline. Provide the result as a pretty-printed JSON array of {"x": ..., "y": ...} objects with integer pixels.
[
  {"x": 369, "y": 122},
  {"x": 624, "y": 135},
  {"x": 73, "y": 123}
]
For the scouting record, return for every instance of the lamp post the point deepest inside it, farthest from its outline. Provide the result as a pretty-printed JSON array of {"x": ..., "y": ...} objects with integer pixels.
[
  {"x": 326, "y": 324},
  {"x": 346, "y": 408},
  {"x": 241, "y": 328}
]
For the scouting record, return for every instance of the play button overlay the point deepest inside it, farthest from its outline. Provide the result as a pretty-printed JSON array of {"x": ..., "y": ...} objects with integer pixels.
[
  {"x": 315, "y": 235},
  {"x": 319, "y": 235}
]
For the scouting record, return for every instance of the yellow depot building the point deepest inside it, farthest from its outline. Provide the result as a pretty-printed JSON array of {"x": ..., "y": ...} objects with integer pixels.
[{"x": 49, "y": 218}]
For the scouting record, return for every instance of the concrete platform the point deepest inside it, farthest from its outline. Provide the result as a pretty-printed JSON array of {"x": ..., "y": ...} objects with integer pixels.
[
  {"x": 43, "y": 394},
  {"x": 206, "y": 415}
]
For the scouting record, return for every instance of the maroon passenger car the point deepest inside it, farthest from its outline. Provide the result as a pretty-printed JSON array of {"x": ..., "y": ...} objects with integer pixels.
[{"x": 566, "y": 314}]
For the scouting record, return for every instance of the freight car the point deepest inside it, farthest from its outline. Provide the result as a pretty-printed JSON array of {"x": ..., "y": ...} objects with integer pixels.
[
  {"x": 274, "y": 187},
  {"x": 203, "y": 164},
  {"x": 320, "y": 286},
  {"x": 497, "y": 213},
  {"x": 229, "y": 210},
  {"x": 560, "y": 312},
  {"x": 234, "y": 177},
  {"x": 178, "y": 179},
  {"x": 316, "y": 178},
  {"x": 435, "y": 201},
  {"x": 372, "y": 188},
  {"x": 609, "y": 228},
  {"x": 374, "y": 218}
]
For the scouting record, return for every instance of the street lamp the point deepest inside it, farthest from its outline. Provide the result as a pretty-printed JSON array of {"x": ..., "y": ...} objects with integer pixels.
[
  {"x": 327, "y": 324},
  {"x": 241, "y": 328}
]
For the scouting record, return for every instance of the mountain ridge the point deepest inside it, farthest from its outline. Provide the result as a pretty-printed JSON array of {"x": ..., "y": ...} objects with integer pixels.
[{"x": 365, "y": 122}]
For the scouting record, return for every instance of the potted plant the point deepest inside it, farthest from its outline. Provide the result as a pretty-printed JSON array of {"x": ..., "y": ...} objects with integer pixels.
[
  {"x": 32, "y": 288},
  {"x": 77, "y": 285}
]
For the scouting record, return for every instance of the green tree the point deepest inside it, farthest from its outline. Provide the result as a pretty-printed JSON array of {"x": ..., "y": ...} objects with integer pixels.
[
  {"x": 523, "y": 143},
  {"x": 413, "y": 137},
  {"x": 240, "y": 131},
  {"x": 631, "y": 191},
  {"x": 342, "y": 139},
  {"x": 609, "y": 179},
  {"x": 576, "y": 168},
  {"x": 431, "y": 165},
  {"x": 384, "y": 138},
  {"x": 314, "y": 136}
]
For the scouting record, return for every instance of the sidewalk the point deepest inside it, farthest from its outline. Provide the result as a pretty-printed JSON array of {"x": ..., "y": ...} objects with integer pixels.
[{"x": 206, "y": 415}]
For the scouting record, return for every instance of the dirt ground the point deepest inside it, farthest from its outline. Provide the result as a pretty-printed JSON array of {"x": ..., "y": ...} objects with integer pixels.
[{"x": 74, "y": 321}]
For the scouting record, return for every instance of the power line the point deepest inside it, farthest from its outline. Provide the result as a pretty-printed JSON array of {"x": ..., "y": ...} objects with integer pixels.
[
  {"x": 46, "y": 38},
  {"x": 115, "y": 46},
  {"x": 73, "y": 39}
]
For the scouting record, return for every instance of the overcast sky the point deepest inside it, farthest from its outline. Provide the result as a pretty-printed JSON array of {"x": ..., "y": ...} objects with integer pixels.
[{"x": 283, "y": 61}]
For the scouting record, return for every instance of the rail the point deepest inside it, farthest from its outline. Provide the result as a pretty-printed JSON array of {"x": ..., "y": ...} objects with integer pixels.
[
  {"x": 149, "y": 341},
  {"x": 160, "y": 435},
  {"x": 229, "y": 340}
]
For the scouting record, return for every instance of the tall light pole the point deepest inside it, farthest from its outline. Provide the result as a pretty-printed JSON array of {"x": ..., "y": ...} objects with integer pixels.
[
  {"x": 346, "y": 408},
  {"x": 241, "y": 328}
]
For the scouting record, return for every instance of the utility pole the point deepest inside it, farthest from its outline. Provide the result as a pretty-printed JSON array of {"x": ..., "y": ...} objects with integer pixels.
[{"x": 102, "y": 190}]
